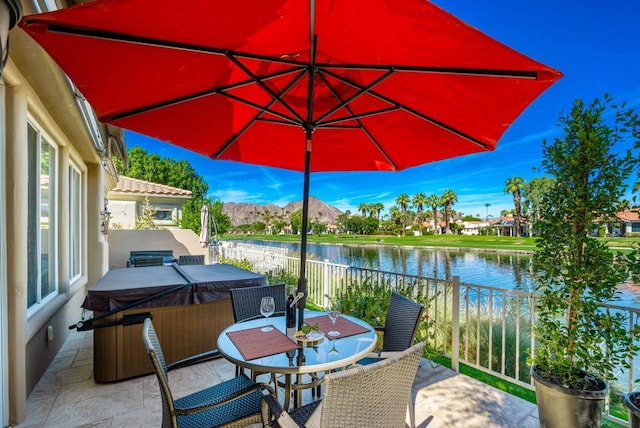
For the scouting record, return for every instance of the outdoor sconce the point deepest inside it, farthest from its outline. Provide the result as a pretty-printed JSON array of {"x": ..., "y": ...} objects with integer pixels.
[
  {"x": 105, "y": 215},
  {"x": 10, "y": 14}
]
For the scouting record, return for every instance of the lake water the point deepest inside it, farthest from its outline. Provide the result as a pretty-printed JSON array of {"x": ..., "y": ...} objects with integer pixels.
[{"x": 502, "y": 270}]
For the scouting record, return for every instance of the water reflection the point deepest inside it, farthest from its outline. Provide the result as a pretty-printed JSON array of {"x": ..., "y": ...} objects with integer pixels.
[
  {"x": 498, "y": 270},
  {"x": 502, "y": 270}
]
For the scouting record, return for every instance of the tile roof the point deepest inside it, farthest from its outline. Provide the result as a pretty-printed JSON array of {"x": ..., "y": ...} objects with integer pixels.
[
  {"x": 629, "y": 215},
  {"x": 133, "y": 185}
]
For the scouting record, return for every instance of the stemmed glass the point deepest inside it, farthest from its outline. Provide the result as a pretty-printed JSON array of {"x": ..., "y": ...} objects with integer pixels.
[
  {"x": 267, "y": 308},
  {"x": 333, "y": 312}
]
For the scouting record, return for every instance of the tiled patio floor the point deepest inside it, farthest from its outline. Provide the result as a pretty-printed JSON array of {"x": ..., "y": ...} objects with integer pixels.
[{"x": 67, "y": 396}]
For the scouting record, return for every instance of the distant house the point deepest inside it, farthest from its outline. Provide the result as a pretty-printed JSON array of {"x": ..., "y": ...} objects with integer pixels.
[
  {"x": 127, "y": 199},
  {"x": 506, "y": 226},
  {"x": 473, "y": 227},
  {"x": 625, "y": 223}
]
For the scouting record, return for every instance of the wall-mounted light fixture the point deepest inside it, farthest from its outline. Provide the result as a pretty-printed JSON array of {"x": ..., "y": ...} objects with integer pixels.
[
  {"x": 10, "y": 14},
  {"x": 105, "y": 216}
]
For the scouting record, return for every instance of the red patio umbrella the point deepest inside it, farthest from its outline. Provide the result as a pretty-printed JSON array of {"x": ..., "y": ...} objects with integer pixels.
[{"x": 362, "y": 84}]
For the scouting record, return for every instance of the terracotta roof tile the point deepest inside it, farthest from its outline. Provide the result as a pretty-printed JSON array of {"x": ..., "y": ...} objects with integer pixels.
[
  {"x": 629, "y": 215},
  {"x": 133, "y": 185}
]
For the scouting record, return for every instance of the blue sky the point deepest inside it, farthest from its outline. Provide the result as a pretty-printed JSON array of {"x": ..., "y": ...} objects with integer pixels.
[{"x": 596, "y": 45}]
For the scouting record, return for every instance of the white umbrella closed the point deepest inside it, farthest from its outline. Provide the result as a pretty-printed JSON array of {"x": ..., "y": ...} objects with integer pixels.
[{"x": 204, "y": 226}]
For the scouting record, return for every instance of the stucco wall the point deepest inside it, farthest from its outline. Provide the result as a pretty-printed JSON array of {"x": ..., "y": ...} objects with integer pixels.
[{"x": 181, "y": 241}]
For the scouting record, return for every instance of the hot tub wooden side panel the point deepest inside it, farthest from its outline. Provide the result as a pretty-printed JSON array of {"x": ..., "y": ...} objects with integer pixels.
[{"x": 183, "y": 331}]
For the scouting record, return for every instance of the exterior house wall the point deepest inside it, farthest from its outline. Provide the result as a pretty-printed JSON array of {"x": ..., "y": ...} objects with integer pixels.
[
  {"x": 123, "y": 214},
  {"x": 33, "y": 89}
]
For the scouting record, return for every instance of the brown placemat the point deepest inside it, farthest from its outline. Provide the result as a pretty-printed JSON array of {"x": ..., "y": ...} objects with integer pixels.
[
  {"x": 343, "y": 325},
  {"x": 254, "y": 343}
]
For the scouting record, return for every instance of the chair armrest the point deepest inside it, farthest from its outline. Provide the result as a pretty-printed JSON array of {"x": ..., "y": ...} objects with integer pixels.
[
  {"x": 271, "y": 406},
  {"x": 199, "y": 358},
  {"x": 218, "y": 401}
]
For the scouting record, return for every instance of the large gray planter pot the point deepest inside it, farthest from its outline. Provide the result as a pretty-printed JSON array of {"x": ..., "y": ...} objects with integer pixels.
[
  {"x": 634, "y": 411},
  {"x": 560, "y": 407}
]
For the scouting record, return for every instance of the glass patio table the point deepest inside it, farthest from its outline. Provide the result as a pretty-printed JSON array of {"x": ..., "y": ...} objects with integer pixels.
[{"x": 301, "y": 358}]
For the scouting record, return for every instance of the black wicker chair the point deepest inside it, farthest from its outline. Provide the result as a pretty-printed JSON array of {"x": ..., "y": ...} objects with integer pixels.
[
  {"x": 246, "y": 300},
  {"x": 232, "y": 403},
  {"x": 399, "y": 331},
  {"x": 144, "y": 261},
  {"x": 191, "y": 259}
]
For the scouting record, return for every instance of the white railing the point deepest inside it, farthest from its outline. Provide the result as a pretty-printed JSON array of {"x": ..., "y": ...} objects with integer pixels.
[{"x": 483, "y": 327}]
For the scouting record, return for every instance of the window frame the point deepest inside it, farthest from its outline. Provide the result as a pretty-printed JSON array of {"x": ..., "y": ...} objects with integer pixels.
[
  {"x": 34, "y": 233},
  {"x": 76, "y": 224}
]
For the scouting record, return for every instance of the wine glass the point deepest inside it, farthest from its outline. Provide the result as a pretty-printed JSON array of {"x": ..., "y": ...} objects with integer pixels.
[
  {"x": 267, "y": 308},
  {"x": 333, "y": 312}
]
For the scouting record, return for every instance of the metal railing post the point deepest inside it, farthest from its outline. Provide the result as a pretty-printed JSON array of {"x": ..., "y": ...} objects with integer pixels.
[
  {"x": 455, "y": 323},
  {"x": 326, "y": 283}
]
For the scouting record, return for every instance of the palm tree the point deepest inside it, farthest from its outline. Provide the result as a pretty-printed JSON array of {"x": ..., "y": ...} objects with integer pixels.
[
  {"x": 403, "y": 201},
  {"x": 448, "y": 199},
  {"x": 434, "y": 201},
  {"x": 363, "y": 208},
  {"x": 487, "y": 205},
  {"x": 419, "y": 200},
  {"x": 514, "y": 185},
  {"x": 376, "y": 208}
]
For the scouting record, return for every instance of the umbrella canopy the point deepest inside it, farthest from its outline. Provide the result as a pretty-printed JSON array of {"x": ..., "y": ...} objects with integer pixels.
[
  {"x": 204, "y": 226},
  {"x": 362, "y": 84}
]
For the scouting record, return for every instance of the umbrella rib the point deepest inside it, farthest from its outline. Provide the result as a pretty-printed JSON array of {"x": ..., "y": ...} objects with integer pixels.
[
  {"x": 257, "y": 117},
  {"x": 191, "y": 97},
  {"x": 364, "y": 90},
  {"x": 359, "y": 116},
  {"x": 126, "y": 38},
  {"x": 519, "y": 74},
  {"x": 264, "y": 87},
  {"x": 413, "y": 111},
  {"x": 360, "y": 124}
]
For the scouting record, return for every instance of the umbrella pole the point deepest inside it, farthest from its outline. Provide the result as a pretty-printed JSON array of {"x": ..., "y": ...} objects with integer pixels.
[{"x": 302, "y": 282}]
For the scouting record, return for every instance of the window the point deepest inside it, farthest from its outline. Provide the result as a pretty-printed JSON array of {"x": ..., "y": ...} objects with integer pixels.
[
  {"x": 163, "y": 215},
  {"x": 42, "y": 222},
  {"x": 75, "y": 222}
]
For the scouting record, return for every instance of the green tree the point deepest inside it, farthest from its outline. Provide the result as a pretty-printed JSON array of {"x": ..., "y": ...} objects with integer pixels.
[
  {"x": 575, "y": 272},
  {"x": 145, "y": 221},
  {"x": 156, "y": 169},
  {"x": 296, "y": 221},
  {"x": 487, "y": 205},
  {"x": 403, "y": 201},
  {"x": 514, "y": 185},
  {"x": 376, "y": 209},
  {"x": 534, "y": 192},
  {"x": 419, "y": 201},
  {"x": 434, "y": 201},
  {"x": 448, "y": 198}
]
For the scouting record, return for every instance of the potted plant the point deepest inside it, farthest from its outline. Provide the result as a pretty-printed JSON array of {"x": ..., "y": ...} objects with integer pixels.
[
  {"x": 578, "y": 342},
  {"x": 632, "y": 401}
]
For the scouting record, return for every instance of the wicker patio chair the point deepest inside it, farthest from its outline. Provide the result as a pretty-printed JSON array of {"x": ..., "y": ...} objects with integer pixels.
[
  {"x": 233, "y": 403},
  {"x": 399, "y": 331},
  {"x": 143, "y": 261},
  {"x": 246, "y": 300},
  {"x": 191, "y": 259},
  {"x": 361, "y": 396}
]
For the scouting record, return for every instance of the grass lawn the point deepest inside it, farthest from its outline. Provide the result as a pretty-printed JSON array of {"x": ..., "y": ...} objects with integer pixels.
[{"x": 507, "y": 243}]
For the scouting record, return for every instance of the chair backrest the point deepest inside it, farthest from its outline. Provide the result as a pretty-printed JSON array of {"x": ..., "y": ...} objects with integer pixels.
[
  {"x": 372, "y": 395},
  {"x": 191, "y": 259},
  {"x": 138, "y": 253},
  {"x": 246, "y": 300},
  {"x": 143, "y": 261},
  {"x": 401, "y": 324},
  {"x": 152, "y": 345}
]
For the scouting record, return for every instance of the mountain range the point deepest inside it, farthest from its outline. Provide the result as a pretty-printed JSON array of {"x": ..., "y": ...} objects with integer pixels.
[{"x": 243, "y": 213}]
